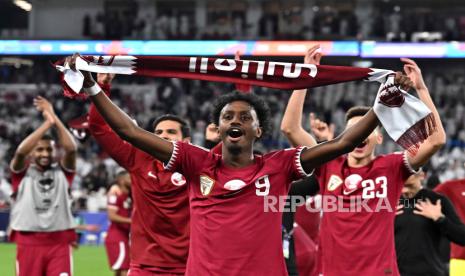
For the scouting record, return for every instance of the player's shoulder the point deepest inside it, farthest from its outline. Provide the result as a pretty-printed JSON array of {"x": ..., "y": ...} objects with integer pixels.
[
  {"x": 450, "y": 186},
  {"x": 180, "y": 145},
  {"x": 283, "y": 152},
  {"x": 432, "y": 195},
  {"x": 454, "y": 182}
]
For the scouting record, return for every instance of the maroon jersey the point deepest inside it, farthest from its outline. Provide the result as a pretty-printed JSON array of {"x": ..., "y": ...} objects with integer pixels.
[
  {"x": 455, "y": 192},
  {"x": 121, "y": 202},
  {"x": 232, "y": 230},
  {"x": 357, "y": 237},
  {"x": 160, "y": 217}
]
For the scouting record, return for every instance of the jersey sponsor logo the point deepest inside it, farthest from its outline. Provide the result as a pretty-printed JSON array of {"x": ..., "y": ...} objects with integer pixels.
[
  {"x": 234, "y": 185},
  {"x": 351, "y": 184},
  {"x": 178, "y": 179},
  {"x": 463, "y": 193},
  {"x": 152, "y": 175},
  {"x": 334, "y": 182},
  {"x": 206, "y": 185},
  {"x": 46, "y": 185}
]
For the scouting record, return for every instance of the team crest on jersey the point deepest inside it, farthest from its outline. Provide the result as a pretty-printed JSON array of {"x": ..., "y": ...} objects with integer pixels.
[
  {"x": 178, "y": 179},
  {"x": 334, "y": 182},
  {"x": 206, "y": 185}
]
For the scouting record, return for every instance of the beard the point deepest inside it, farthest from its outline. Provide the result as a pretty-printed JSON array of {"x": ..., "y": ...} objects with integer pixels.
[{"x": 234, "y": 149}]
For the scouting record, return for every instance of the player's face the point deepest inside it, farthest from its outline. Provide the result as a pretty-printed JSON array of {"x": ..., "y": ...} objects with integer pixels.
[
  {"x": 105, "y": 78},
  {"x": 238, "y": 125},
  {"x": 169, "y": 130},
  {"x": 43, "y": 153},
  {"x": 412, "y": 185},
  {"x": 367, "y": 148},
  {"x": 124, "y": 180}
]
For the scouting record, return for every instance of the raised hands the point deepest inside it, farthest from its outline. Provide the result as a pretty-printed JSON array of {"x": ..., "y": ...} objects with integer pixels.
[
  {"x": 412, "y": 70},
  {"x": 320, "y": 129},
  {"x": 212, "y": 134},
  {"x": 44, "y": 106},
  {"x": 313, "y": 55}
]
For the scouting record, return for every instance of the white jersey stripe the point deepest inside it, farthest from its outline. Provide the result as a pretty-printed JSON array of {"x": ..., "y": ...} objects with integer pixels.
[{"x": 121, "y": 256}]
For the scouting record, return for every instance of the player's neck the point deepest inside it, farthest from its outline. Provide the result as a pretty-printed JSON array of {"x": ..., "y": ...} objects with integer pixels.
[
  {"x": 239, "y": 160},
  {"x": 359, "y": 162}
]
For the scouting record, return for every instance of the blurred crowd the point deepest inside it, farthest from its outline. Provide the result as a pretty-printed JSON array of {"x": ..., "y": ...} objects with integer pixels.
[
  {"x": 281, "y": 21},
  {"x": 145, "y": 99}
]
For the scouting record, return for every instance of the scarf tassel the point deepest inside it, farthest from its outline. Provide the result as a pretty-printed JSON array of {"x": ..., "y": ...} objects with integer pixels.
[{"x": 417, "y": 134}]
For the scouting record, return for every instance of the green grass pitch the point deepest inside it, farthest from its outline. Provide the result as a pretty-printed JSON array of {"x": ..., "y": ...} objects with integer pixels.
[{"x": 88, "y": 261}]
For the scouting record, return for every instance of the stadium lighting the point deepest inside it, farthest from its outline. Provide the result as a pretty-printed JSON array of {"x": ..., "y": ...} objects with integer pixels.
[{"x": 23, "y": 5}]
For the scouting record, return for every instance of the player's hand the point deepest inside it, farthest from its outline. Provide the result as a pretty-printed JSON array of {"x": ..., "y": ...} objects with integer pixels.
[
  {"x": 399, "y": 209},
  {"x": 92, "y": 227},
  {"x": 237, "y": 55},
  {"x": 429, "y": 210},
  {"x": 412, "y": 70},
  {"x": 42, "y": 104},
  {"x": 212, "y": 133},
  {"x": 49, "y": 118},
  {"x": 320, "y": 129},
  {"x": 403, "y": 81},
  {"x": 313, "y": 55},
  {"x": 88, "y": 79}
]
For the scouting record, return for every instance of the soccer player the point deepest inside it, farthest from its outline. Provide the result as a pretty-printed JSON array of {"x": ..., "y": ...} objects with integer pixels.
[
  {"x": 455, "y": 191},
  {"x": 232, "y": 232},
  {"x": 361, "y": 242},
  {"x": 423, "y": 219},
  {"x": 119, "y": 213},
  {"x": 160, "y": 217},
  {"x": 41, "y": 218}
]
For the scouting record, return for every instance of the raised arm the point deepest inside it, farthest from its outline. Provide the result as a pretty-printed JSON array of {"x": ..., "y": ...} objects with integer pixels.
[
  {"x": 349, "y": 139},
  {"x": 438, "y": 138},
  {"x": 291, "y": 125},
  {"x": 344, "y": 143},
  {"x": 18, "y": 163},
  {"x": 121, "y": 123},
  {"x": 121, "y": 151},
  {"x": 65, "y": 138}
]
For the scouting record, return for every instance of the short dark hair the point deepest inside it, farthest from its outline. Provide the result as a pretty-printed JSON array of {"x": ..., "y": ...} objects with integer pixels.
[
  {"x": 185, "y": 128},
  {"x": 356, "y": 111},
  {"x": 262, "y": 109}
]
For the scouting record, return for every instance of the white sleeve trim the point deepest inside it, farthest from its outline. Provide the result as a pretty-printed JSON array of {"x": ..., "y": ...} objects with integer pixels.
[
  {"x": 407, "y": 164},
  {"x": 173, "y": 158},
  {"x": 298, "y": 162}
]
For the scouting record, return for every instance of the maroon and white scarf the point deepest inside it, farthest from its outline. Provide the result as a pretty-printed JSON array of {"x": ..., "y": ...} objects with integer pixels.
[{"x": 406, "y": 119}]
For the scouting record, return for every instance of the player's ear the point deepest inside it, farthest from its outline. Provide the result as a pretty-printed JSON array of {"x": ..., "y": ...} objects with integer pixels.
[
  {"x": 258, "y": 132},
  {"x": 186, "y": 139},
  {"x": 379, "y": 136}
]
